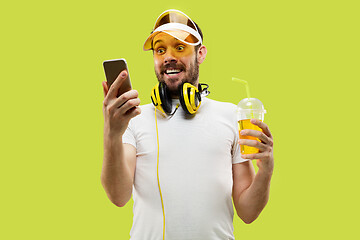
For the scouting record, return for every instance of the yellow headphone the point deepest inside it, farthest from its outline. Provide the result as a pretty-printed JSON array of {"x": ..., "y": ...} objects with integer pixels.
[{"x": 189, "y": 96}]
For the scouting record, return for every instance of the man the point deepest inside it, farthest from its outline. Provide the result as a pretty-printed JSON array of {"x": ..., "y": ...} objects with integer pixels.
[{"x": 181, "y": 168}]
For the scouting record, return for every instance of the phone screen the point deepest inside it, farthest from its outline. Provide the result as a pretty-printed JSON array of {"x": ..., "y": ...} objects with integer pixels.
[{"x": 112, "y": 70}]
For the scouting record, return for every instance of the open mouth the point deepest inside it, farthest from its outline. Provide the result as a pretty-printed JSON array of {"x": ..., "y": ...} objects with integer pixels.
[{"x": 172, "y": 71}]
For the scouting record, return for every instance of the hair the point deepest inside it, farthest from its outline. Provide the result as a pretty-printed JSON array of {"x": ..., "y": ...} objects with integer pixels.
[{"x": 201, "y": 35}]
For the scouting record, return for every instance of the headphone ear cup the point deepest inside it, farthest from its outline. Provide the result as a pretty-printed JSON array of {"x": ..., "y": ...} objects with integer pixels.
[
  {"x": 155, "y": 98},
  {"x": 165, "y": 97},
  {"x": 181, "y": 98},
  {"x": 190, "y": 98}
]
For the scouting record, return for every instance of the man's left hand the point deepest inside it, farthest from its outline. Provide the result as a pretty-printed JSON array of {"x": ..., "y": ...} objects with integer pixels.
[{"x": 265, "y": 158}]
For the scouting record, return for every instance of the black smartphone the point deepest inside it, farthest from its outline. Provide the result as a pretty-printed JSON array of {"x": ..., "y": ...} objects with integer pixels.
[{"x": 112, "y": 70}]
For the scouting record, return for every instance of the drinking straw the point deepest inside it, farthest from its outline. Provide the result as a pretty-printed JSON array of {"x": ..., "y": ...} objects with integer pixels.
[
  {"x": 246, "y": 86},
  {"x": 247, "y": 90}
]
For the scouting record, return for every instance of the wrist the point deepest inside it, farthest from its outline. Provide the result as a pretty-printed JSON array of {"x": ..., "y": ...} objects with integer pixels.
[
  {"x": 266, "y": 171},
  {"x": 111, "y": 136},
  {"x": 113, "y": 132}
]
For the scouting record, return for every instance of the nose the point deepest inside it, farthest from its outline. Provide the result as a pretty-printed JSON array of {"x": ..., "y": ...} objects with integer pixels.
[{"x": 169, "y": 57}]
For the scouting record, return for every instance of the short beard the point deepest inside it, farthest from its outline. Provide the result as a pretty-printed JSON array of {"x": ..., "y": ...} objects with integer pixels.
[{"x": 192, "y": 76}]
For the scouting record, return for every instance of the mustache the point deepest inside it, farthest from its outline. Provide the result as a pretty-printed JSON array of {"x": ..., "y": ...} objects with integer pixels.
[{"x": 171, "y": 65}]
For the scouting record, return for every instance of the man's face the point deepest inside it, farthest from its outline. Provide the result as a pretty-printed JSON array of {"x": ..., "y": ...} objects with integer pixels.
[{"x": 175, "y": 62}]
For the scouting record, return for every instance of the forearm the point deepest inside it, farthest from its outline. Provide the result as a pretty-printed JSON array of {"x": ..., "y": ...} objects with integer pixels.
[
  {"x": 253, "y": 199},
  {"x": 116, "y": 176}
]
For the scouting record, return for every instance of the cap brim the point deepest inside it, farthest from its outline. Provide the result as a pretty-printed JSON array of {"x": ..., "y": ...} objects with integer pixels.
[
  {"x": 148, "y": 43},
  {"x": 181, "y": 35}
]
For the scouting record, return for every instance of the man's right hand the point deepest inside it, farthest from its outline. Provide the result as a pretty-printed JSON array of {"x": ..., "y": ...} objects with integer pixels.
[{"x": 119, "y": 110}]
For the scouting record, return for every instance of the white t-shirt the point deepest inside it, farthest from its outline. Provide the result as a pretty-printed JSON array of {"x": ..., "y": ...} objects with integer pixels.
[{"x": 195, "y": 172}]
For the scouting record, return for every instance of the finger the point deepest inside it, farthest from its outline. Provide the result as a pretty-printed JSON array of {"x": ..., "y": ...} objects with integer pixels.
[
  {"x": 133, "y": 112},
  {"x": 128, "y": 105},
  {"x": 123, "y": 98},
  {"x": 262, "y": 125},
  {"x": 252, "y": 156},
  {"x": 255, "y": 133},
  {"x": 114, "y": 88},
  {"x": 253, "y": 143},
  {"x": 105, "y": 88}
]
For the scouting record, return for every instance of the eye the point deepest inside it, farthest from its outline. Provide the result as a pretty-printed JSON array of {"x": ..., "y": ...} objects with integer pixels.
[
  {"x": 180, "y": 48},
  {"x": 160, "y": 51}
]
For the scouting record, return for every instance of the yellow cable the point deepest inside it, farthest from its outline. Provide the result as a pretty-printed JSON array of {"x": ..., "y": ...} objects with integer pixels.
[{"x": 157, "y": 170}]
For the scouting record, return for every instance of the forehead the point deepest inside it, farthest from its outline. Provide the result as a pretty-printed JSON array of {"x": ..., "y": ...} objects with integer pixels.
[{"x": 165, "y": 38}]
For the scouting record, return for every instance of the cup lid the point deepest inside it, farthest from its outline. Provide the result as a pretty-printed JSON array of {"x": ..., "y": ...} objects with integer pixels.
[{"x": 251, "y": 104}]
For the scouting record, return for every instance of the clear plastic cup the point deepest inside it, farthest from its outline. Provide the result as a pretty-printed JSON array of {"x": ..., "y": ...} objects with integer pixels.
[{"x": 247, "y": 109}]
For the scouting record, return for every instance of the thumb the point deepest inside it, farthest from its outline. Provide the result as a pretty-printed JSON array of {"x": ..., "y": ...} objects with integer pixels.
[{"x": 105, "y": 88}]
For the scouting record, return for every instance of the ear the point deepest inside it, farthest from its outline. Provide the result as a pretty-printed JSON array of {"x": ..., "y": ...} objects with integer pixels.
[{"x": 202, "y": 51}]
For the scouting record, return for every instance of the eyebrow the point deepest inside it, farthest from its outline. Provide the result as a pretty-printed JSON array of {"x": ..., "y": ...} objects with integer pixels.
[{"x": 157, "y": 41}]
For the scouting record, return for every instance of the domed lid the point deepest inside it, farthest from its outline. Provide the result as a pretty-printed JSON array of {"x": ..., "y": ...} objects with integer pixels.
[{"x": 253, "y": 104}]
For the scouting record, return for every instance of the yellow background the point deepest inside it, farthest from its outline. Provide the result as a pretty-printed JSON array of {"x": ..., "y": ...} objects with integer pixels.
[{"x": 301, "y": 59}]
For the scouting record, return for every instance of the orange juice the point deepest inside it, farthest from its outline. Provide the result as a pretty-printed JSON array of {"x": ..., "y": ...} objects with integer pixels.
[{"x": 246, "y": 124}]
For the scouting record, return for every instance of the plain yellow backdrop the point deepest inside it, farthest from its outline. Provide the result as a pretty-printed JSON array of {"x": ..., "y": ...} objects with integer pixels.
[{"x": 301, "y": 59}]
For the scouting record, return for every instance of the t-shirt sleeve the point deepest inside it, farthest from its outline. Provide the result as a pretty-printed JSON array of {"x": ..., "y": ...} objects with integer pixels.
[
  {"x": 129, "y": 135},
  {"x": 236, "y": 151}
]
